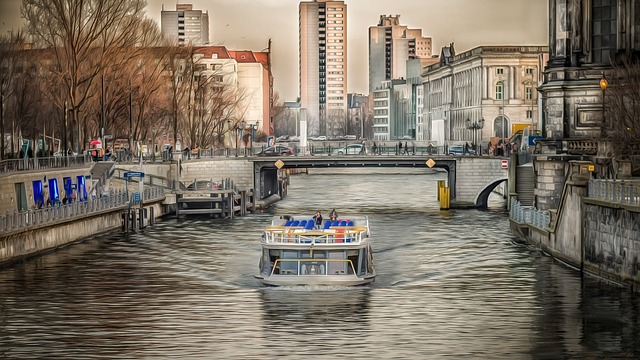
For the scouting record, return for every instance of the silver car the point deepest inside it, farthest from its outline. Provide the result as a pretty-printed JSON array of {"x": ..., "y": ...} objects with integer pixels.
[{"x": 353, "y": 149}]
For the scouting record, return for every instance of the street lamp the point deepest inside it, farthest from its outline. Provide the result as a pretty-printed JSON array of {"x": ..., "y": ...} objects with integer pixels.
[
  {"x": 603, "y": 85},
  {"x": 475, "y": 126},
  {"x": 238, "y": 137},
  {"x": 254, "y": 127},
  {"x": 228, "y": 136},
  {"x": 502, "y": 117}
]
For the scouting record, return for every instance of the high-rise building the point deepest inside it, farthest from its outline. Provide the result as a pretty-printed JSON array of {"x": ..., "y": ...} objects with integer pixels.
[
  {"x": 185, "y": 26},
  {"x": 323, "y": 65},
  {"x": 390, "y": 46}
]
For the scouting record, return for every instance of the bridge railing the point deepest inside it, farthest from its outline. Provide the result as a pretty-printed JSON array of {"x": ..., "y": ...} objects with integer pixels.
[
  {"x": 42, "y": 163},
  {"x": 60, "y": 213},
  {"x": 625, "y": 192},
  {"x": 529, "y": 215}
]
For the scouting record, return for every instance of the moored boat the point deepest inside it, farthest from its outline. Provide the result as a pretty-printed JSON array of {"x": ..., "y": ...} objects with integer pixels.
[{"x": 302, "y": 252}]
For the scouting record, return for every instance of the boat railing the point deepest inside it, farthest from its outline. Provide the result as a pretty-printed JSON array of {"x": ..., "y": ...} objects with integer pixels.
[
  {"x": 289, "y": 235},
  {"x": 314, "y": 267}
]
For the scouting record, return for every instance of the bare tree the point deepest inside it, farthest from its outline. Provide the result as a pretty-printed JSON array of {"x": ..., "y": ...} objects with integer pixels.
[
  {"x": 622, "y": 118},
  {"x": 82, "y": 34}
]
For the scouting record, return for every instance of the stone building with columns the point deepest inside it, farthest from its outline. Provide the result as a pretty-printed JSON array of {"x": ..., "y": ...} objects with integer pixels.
[
  {"x": 585, "y": 37},
  {"x": 489, "y": 85}
]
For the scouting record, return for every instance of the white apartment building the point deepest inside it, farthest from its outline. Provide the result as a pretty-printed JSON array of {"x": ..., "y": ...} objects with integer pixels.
[
  {"x": 382, "y": 112},
  {"x": 491, "y": 85},
  {"x": 244, "y": 74},
  {"x": 390, "y": 46},
  {"x": 323, "y": 65},
  {"x": 184, "y": 25}
]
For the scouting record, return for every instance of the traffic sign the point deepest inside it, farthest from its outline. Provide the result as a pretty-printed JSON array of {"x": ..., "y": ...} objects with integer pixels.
[
  {"x": 131, "y": 174},
  {"x": 505, "y": 164},
  {"x": 431, "y": 163},
  {"x": 279, "y": 164}
]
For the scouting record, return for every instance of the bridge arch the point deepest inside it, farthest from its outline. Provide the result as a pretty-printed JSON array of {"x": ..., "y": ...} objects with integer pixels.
[{"x": 482, "y": 198}]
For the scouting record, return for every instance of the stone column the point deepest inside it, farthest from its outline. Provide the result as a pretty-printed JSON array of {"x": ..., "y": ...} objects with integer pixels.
[{"x": 550, "y": 178}]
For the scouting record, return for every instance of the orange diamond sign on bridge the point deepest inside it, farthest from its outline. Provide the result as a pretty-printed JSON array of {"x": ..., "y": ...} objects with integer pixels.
[
  {"x": 431, "y": 163},
  {"x": 279, "y": 164}
]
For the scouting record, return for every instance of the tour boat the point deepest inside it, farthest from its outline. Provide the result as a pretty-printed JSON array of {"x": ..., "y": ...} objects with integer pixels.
[{"x": 301, "y": 252}]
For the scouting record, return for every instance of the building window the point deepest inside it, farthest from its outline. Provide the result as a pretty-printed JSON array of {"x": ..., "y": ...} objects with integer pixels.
[
  {"x": 499, "y": 91},
  {"x": 528, "y": 93},
  {"x": 605, "y": 13},
  {"x": 499, "y": 71},
  {"x": 529, "y": 71},
  {"x": 529, "y": 114}
]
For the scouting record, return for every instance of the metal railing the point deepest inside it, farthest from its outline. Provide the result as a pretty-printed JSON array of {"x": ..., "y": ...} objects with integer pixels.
[
  {"x": 41, "y": 163},
  {"x": 60, "y": 213},
  {"x": 529, "y": 215},
  {"x": 625, "y": 192}
]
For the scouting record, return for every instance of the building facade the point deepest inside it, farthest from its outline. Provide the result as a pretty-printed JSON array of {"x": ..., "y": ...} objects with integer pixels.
[
  {"x": 585, "y": 38},
  {"x": 323, "y": 65},
  {"x": 390, "y": 46},
  {"x": 185, "y": 26},
  {"x": 246, "y": 75},
  {"x": 490, "y": 85}
]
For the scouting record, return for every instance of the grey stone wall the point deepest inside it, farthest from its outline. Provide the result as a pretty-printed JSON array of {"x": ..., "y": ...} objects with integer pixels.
[
  {"x": 550, "y": 178},
  {"x": 612, "y": 241},
  {"x": 8, "y": 201},
  {"x": 32, "y": 242},
  {"x": 239, "y": 170},
  {"x": 473, "y": 175}
]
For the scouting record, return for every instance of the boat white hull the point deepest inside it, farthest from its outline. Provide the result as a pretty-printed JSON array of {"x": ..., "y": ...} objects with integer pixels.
[{"x": 323, "y": 280}]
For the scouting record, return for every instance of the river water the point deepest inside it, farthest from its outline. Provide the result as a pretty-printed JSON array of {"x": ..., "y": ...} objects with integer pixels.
[{"x": 450, "y": 284}]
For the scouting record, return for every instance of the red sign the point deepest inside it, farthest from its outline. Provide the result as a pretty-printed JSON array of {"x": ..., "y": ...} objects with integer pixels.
[{"x": 505, "y": 164}]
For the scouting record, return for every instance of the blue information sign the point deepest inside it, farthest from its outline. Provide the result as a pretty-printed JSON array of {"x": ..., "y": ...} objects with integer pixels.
[{"x": 131, "y": 174}]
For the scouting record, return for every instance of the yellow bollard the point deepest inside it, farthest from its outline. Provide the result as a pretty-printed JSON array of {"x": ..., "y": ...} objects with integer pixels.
[
  {"x": 444, "y": 198},
  {"x": 441, "y": 184}
]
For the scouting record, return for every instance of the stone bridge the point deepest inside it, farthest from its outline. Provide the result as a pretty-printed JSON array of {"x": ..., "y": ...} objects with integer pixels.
[{"x": 471, "y": 179}]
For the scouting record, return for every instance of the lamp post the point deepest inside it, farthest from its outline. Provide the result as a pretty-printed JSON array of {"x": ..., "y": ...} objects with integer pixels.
[
  {"x": 254, "y": 127},
  {"x": 475, "y": 126},
  {"x": 603, "y": 85},
  {"x": 153, "y": 145},
  {"x": 228, "y": 135},
  {"x": 502, "y": 118},
  {"x": 238, "y": 137}
]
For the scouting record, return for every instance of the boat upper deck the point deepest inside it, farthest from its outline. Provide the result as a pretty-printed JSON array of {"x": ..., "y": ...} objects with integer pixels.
[{"x": 345, "y": 231}]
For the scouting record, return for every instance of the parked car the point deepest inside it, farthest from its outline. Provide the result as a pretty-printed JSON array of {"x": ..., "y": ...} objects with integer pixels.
[
  {"x": 318, "y": 138},
  {"x": 353, "y": 149},
  {"x": 202, "y": 185},
  {"x": 294, "y": 138},
  {"x": 275, "y": 151},
  {"x": 407, "y": 137},
  {"x": 459, "y": 150},
  {"x": 349, "y": 137},
  {"x": 282, "y": 138}
]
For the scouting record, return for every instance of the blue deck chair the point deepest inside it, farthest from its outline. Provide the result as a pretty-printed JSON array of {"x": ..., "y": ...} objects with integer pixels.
[
  {"x": 350, "y": 223},
  {"x": 335, "y": 223},
  {"x": 288, "y": 223},
  {"x": 327, "y": 224},
  {"x": 296, "y": 223},
  {"x": 343, "y": 223},
  {"x": 303, "y": 223},
  {"x": 309, "y": 225}
]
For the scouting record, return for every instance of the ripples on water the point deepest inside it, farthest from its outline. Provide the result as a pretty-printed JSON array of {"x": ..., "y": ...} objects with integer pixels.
[{"x": 450, "y": 284}]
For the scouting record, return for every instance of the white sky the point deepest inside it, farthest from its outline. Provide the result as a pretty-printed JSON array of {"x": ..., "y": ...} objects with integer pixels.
[{"x": 248, "y": 25}]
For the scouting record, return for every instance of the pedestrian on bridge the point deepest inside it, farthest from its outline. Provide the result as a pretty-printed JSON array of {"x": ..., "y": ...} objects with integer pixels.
[{"x": 399, "y": 150}]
